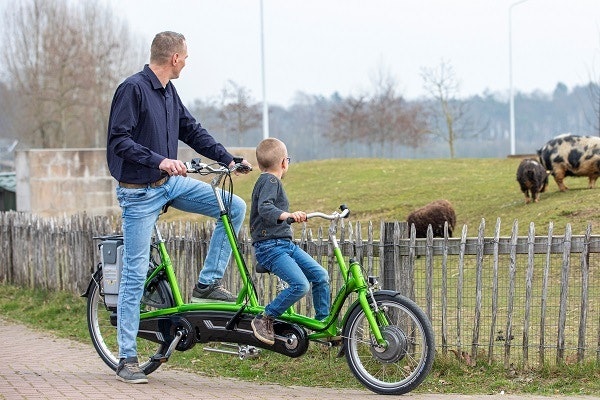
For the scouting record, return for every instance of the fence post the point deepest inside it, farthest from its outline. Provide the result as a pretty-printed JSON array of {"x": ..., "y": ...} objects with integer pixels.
[
  {"x": 389, "y": 273},
  {"x": 397, "y": 273}
]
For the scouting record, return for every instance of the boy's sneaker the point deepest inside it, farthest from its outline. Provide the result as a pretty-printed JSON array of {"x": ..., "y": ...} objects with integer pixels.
[
  {"x": 129, "y": 371},
  {"x": 262, "y": 325},
  {"x": 214, "y": 291}
]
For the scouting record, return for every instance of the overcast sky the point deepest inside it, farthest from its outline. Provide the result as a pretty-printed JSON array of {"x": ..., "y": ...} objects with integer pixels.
[{"x": 325, "y": 46}]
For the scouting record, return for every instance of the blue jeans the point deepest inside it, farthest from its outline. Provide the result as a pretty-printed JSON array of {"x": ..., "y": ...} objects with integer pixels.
[
  {"x": 140, "y": 211},
  {"x": 298, "y": 269}
]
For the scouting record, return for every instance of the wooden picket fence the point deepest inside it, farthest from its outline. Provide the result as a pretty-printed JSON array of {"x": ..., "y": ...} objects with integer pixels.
[{"x": 519, "y": 300}]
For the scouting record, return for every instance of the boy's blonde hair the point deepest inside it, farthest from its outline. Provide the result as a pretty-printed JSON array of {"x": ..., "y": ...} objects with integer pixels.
[{"x": 269, "y": 153}]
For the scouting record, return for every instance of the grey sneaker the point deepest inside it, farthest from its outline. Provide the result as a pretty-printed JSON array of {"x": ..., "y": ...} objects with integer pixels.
[
  {"x": 129, "y": 371},
  {"x": 214, "y": 291},
  {"x": 262, "y": 325}
]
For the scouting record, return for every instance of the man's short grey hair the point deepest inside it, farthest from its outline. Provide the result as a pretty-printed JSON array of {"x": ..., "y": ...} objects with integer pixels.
[{"x": 164, "y": 45}]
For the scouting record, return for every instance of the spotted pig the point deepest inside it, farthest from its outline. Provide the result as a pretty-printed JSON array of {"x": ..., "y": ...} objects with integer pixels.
[
  {"x": 533, "y": 179},
  {"x": 572, "y": 155}
]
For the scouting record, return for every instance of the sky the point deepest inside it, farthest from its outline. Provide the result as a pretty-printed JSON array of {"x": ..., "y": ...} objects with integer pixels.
[{"x": 320, "y": 47}]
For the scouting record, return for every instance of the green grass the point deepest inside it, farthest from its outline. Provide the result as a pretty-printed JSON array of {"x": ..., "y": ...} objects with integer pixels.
[
  {"x": 374, "y": 190},
  {"x": 382, "y": 189},
  {"x": 63, "y": 315}
]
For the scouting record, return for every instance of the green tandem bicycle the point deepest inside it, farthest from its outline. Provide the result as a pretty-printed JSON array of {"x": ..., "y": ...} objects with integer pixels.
[{"x": 387, "y": 340}]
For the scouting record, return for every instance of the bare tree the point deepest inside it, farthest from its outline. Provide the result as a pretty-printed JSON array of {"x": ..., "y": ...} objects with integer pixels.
[
  {"x": 349, "y": 120},
  {"x": 450, "y": 120},
  {"x": 63, "y": 60},
  {"x": 383, "y": 118},
  {"x": 393, "y": 119},
  {"x": 239, "y": 111}
]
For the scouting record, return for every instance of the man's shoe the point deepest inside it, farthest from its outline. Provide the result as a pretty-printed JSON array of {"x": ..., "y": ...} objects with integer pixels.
[
  {"x": 214, "y": 291},
  {"x": 129, "y": 371},
  {"x": 262, "y": 325}
]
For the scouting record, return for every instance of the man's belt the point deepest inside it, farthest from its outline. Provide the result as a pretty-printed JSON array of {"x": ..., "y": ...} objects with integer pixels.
[{"x": 156, "y": 184}]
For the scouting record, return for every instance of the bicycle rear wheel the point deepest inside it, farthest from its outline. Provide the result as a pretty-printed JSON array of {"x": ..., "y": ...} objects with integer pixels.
[
  {"x": 406, "y": 361},
  {"x": 104, "y": 333}
]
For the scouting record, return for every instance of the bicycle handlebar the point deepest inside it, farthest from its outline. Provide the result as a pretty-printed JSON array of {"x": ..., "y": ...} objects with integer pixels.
[
  {"x": 345, "y": 212},
  {"x": 196, "y": 166}
]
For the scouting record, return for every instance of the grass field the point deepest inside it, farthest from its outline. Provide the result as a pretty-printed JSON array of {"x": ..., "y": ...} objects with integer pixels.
[{"x": 376, "y": 189}]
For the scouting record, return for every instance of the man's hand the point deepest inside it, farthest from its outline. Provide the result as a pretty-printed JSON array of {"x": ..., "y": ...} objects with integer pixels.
[
  {"x": 173, "y": 167},
  {"x": 241, "y": 171}
]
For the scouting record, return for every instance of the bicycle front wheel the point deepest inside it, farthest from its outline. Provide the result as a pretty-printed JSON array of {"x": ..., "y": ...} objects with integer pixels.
[
  {"x": 104, "y": 334},
  {"x": 408, "y": 357}
]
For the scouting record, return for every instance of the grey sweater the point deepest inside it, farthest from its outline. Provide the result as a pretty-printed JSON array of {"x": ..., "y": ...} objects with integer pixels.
[{"x": 268, "y": 202}]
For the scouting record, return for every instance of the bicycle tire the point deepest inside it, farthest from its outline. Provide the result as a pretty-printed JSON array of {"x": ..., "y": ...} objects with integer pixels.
[
  {"x": 104, "y": 334},
  {"x": 407, "y": 360}
]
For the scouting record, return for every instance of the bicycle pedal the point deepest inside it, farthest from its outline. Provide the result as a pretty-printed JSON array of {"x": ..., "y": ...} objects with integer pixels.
[{"x": 159, "y": 358}]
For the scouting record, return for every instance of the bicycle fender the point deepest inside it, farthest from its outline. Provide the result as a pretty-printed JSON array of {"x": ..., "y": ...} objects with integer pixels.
[
  {"x": 94, "y": 281},
  {"x": 356, "y": 303}
]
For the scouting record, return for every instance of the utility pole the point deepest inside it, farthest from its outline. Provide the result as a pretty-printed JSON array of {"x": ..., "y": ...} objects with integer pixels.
[
  {"x": 264, "y": 85},
  {"x": 510, "y": 79}
]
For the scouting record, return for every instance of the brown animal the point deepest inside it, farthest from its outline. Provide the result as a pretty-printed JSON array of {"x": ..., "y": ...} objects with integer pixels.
[
  {"x": 435, "y": 214},
  {"x": 571, "y": 155},
  {"x": 533, "y": 179}
]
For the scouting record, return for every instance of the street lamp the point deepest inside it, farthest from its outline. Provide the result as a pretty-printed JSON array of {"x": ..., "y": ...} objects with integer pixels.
[
  {"x": 510, "y": 78},
  {"x": 264, "y": 90}
]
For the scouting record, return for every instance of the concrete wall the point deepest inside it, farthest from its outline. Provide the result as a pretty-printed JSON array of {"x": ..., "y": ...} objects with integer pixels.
[{"x": 69, "y": 181}]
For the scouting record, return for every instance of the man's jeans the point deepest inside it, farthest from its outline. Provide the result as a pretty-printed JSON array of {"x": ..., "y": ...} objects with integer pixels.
[
  {"x": 140, "y": 211},
  {"x": 297, "y": 268}
]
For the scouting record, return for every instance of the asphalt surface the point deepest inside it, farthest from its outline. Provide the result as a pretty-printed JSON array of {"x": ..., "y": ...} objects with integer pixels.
[{"x": 36, "y": 365}]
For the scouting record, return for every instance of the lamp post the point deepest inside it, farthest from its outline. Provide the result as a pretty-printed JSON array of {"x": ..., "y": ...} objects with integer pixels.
[
  {"x": 510, "y": 78},
  {"x": 262, "y": 63}
]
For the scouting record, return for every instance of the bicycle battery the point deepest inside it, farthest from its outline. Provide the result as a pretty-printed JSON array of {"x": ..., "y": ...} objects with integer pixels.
[{"x": 112, "y": 265}]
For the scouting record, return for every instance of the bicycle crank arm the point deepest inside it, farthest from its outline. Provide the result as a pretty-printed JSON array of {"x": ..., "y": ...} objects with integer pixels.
[{"x": 164, "y": 358}]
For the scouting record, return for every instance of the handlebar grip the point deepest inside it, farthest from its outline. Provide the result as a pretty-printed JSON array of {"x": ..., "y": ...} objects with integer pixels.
[
  {"x": 243, "y": 168},
  {"x": 290, "y": 220}
]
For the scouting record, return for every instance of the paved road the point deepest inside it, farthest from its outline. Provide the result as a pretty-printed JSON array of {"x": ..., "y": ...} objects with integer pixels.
[{"x": 37, "y": 366}]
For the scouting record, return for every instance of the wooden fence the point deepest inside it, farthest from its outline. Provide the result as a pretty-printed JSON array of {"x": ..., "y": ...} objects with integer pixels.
[{"x": 520, "y": 300}]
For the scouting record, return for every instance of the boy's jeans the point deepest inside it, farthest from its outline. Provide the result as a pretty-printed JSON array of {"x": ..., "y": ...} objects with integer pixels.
[
  {"x": 298, "y": 269},
  {"x": 140, "y": 210}
]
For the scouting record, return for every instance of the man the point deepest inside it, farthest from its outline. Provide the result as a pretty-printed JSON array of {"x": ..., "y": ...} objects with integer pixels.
[{"x": 147, "y": 118}]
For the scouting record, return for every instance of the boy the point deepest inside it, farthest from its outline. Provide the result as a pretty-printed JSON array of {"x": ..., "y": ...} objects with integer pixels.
[{"x": 273, "y": 245}]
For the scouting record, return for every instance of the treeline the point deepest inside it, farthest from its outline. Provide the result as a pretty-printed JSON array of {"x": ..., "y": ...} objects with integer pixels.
[{"x": 308, "y": 125}]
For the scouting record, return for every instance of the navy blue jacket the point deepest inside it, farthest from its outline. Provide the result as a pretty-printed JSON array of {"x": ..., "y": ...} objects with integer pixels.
[{"x": 146, "y": 121}]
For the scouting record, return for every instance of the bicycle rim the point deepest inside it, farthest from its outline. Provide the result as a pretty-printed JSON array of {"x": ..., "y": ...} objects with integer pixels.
[
  {"x": 407, "y": 360},
  {"x": 104, "y": 335}
]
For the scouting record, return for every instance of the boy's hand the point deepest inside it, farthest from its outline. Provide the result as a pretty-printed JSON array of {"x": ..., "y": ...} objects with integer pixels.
[{"x": 297, "y": 216}]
